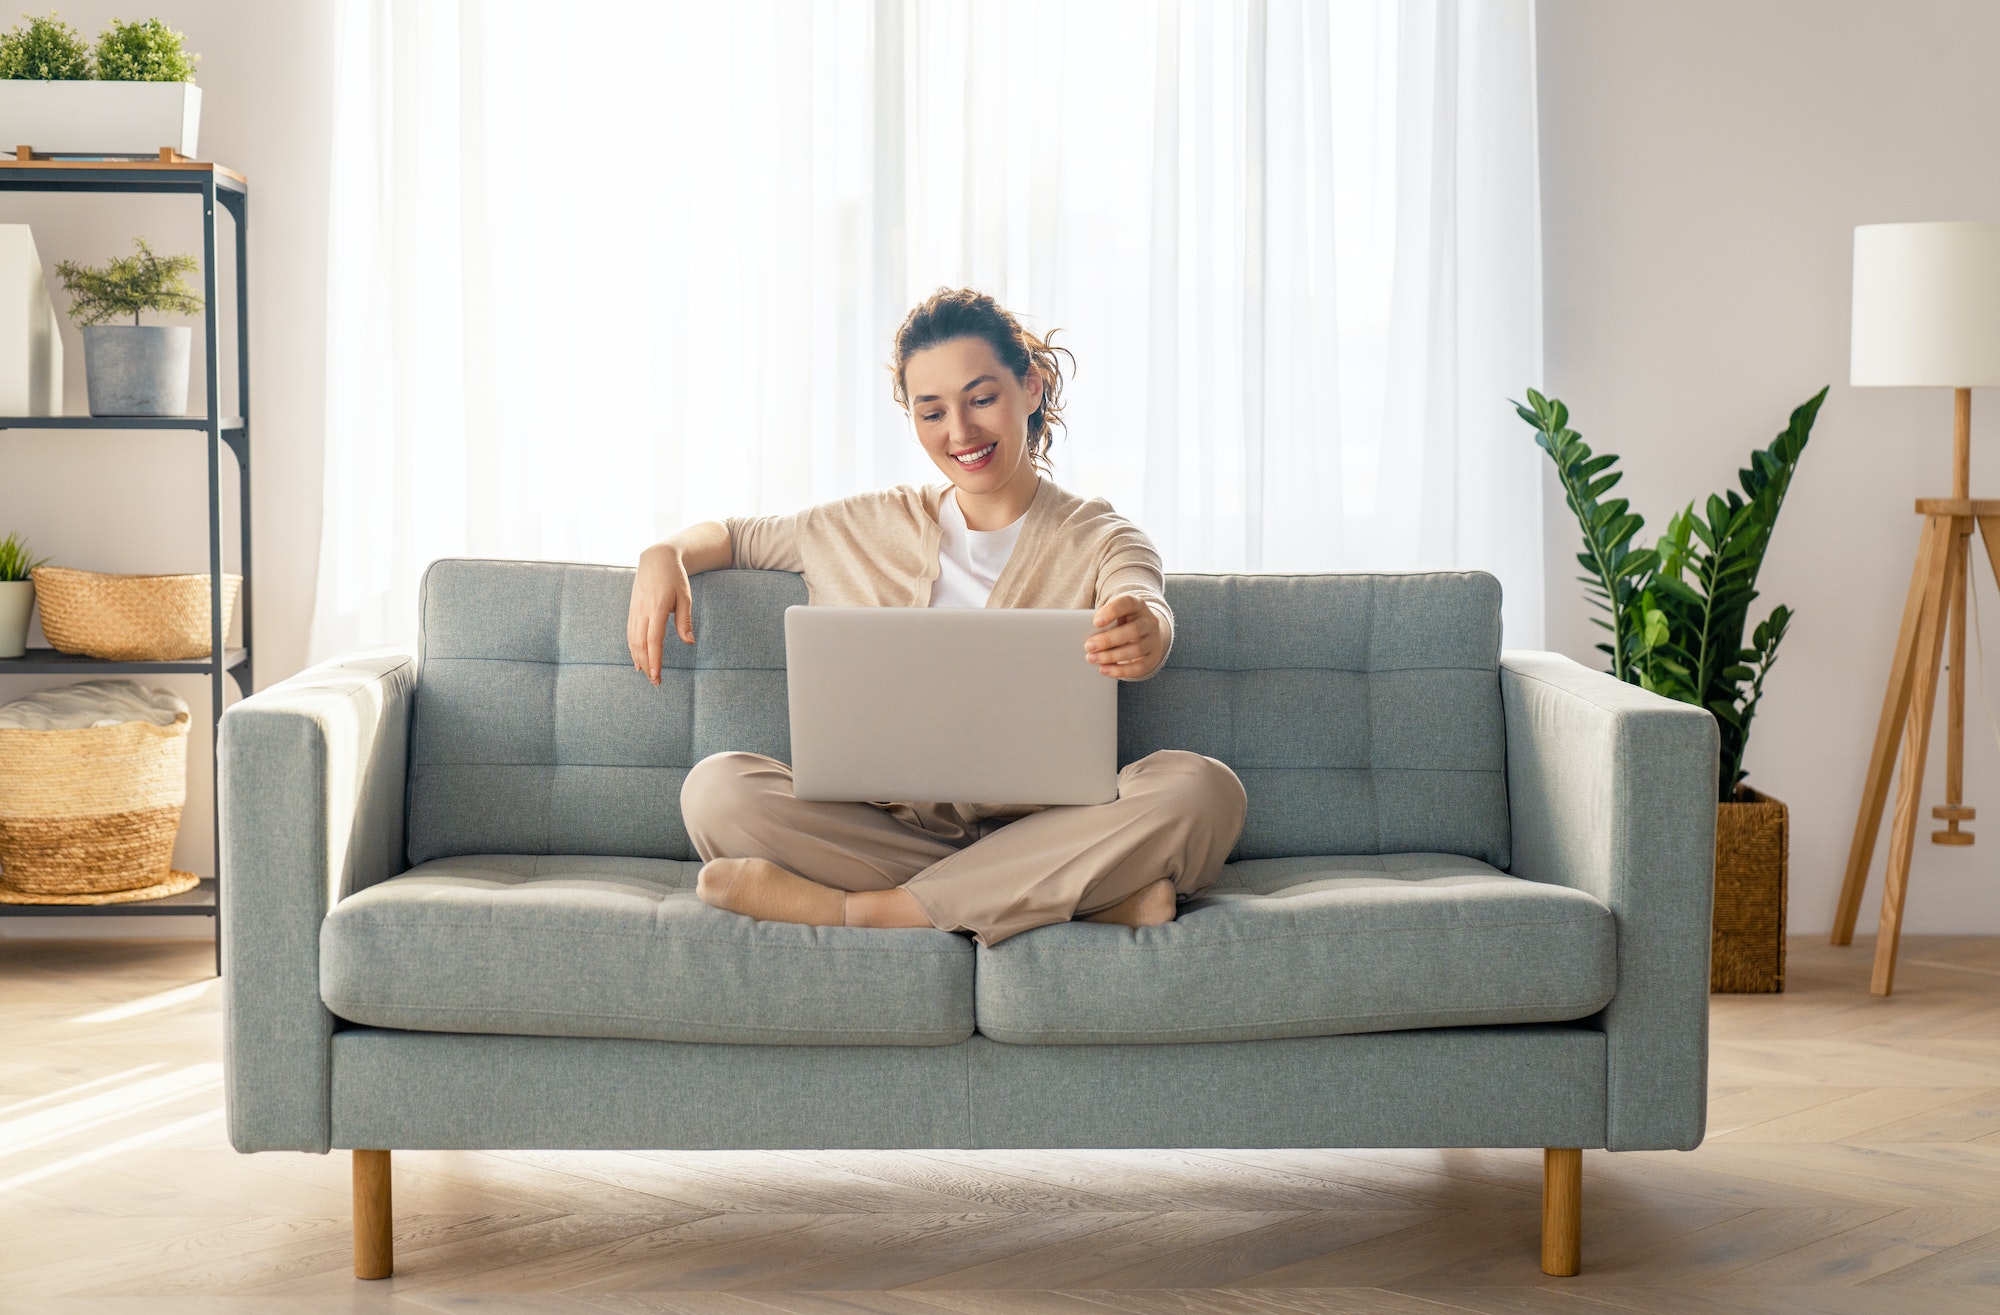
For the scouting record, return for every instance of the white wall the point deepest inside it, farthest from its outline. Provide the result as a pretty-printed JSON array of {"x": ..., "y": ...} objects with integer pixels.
[
  {"x": 135, "y": 502},
  {"x": 1704, "y": 164}
]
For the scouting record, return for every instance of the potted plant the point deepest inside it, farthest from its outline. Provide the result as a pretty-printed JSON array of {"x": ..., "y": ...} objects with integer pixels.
[
  {"x": 133, "y": 96},
  {"x": 133, "y": 369},
  {"x": 17, "y": 594},
  {"x": 1677, "y": 613}
]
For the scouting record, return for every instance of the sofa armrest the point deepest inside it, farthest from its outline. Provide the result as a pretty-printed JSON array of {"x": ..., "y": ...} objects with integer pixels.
[
  {"x": 1611, "y": 790},
  {"x": 310, "y": 783}
]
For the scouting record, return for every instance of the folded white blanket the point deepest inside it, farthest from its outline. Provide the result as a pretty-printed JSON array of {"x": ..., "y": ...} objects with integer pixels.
[{"x": 93, "y": 703}]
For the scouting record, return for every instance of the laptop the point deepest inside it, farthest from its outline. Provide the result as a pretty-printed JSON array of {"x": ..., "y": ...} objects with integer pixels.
[{"x": 949, "y": 705}]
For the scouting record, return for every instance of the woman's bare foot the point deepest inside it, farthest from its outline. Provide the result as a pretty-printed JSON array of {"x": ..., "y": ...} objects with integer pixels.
[
  {"x": 758, "y": 888},
  {"x": 1149, "y": 908}
]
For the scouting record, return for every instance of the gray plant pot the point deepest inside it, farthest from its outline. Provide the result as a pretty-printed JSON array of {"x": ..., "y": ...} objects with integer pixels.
[{"x": 137, "y": 370}]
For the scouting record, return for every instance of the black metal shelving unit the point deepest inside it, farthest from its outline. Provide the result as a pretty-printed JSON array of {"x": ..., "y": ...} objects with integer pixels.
[{"x": 212, "y": 184}]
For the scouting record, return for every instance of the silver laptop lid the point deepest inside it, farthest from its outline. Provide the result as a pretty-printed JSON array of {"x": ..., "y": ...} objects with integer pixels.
[{"x": 949, "y": 705}]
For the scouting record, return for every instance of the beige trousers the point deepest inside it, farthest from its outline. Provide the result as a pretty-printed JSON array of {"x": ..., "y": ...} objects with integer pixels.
[{"x": 1177, "y": 815}]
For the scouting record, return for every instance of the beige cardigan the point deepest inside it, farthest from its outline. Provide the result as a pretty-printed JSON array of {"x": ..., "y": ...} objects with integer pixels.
[{"x": 881, "y": 550}]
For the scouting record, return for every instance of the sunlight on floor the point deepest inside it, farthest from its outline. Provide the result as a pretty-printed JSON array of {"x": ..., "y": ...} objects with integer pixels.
[
  {"x": 150, "y": 1137},
  {"x": 164, "y": 1000},
  {"x": 70, "y": 1093},
  {"x": 144, "y": 1097}
]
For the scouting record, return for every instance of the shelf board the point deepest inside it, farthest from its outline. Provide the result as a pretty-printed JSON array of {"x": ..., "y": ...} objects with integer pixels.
[
  {"x": 47, "y": 660},
  {"x": 199, "y": 902},
  {"x": 229, "y": 423},
  {"x": 122, "y": 173}
]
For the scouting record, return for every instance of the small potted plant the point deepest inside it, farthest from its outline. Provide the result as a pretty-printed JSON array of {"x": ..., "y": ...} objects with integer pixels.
[
  {"x": 17, "y": 594},
  {"x": 133, "y": 96},
  {"x": 133, "y": 369}
]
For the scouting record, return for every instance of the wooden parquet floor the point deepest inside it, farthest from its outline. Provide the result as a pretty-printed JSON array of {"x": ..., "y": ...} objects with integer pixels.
[{"x": 1852, "y": 1166}]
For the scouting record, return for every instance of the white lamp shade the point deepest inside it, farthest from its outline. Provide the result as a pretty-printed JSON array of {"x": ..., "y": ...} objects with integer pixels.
[{"x": 1926, "y": 306}]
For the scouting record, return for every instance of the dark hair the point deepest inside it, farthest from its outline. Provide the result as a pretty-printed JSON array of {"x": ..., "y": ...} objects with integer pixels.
[{"x": 953, "y": 313}]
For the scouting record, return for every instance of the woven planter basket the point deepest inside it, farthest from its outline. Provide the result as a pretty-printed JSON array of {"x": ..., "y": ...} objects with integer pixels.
[
  {"x": 1748, "y": 951},
  {"x": 90, "y": 814},
  {"x": 130, "y": 618}
]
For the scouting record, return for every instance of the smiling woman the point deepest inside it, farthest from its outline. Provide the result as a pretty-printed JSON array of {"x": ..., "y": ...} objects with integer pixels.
[{"x": 983, "y": 397}]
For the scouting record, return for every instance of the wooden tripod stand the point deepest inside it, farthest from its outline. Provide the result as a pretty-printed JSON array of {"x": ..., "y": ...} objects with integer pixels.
[{"x": 1937, "y": 600}]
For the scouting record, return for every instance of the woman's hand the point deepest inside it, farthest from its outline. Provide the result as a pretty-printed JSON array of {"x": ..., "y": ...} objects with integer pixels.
[
  {"x": 1128, "y": 641},
  {"x": 660, "y": 592}
]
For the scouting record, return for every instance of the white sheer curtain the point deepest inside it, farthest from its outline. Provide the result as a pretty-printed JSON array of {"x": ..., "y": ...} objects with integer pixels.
[{"x": 604, "y": 269}]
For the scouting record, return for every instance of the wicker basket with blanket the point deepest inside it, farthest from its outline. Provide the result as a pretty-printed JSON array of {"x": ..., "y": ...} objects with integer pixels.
[{"x": 92, "y": 780}]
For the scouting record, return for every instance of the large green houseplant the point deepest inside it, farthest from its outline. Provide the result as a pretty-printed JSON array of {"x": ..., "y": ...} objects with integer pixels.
[{"x": 1678, "y": 612}]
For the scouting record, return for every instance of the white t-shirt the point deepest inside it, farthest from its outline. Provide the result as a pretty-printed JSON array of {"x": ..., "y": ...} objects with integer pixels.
[{"x": 969, "y": 560}]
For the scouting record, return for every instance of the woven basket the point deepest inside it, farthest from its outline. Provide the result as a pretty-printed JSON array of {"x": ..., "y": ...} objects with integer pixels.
[
  {"x": 130, "y": 618},
  {"x": 1748, "y": 950},
  {"x": 89, "y": 813}
]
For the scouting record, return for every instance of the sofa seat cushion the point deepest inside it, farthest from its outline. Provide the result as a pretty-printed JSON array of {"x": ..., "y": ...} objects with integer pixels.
[
  {"x": 1297, "y": 947},
  {"x": 620, "y": 947}
]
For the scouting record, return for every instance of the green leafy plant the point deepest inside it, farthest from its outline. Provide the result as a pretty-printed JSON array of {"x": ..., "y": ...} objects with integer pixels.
[
  {"x": 16, "y": 562},
  {"x": 147, "y": 51},
  {"x": 1678, "y": 610},
  {"x": 47, "y": 50},
  {"x": 1615, "y": 569},
  {"x": 127, "y": 285}
]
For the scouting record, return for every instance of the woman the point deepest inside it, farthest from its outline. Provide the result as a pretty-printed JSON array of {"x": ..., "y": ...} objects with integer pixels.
[{"x": 984, "y": 397}]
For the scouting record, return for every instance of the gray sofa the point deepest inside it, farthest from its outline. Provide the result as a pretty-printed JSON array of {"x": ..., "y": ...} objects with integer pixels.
[{"x": 1470, "y": 905}]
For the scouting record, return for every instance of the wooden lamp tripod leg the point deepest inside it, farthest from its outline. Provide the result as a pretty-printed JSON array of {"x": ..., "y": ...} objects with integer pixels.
[
  {"x": 1916, "y": 745},
  {"x": 1932, "y": 548},
  {"x": 1953, "y": 811},
  {"x": 1989, "y": 534}
]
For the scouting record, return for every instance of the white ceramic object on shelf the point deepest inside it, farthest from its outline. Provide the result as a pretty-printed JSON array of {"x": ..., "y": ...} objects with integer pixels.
[
  {"x": 91, "y": 118},
  {"x": 17, "y": 599},
  {"x": 31, "y": 353}
]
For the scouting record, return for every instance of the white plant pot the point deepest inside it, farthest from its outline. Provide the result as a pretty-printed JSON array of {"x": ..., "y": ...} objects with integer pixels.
[
  {"x": 99, "y": 118},
  {"x": 17, "y": 599}
]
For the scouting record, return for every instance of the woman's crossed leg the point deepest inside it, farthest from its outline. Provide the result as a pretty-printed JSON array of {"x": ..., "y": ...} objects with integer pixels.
[{"x": 773, "y": 856}]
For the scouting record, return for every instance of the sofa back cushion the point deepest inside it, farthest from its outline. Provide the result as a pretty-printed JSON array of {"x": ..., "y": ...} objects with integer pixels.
[
  {"x": 1361, "y": 711},
  {"x": 532, "y": 732}
]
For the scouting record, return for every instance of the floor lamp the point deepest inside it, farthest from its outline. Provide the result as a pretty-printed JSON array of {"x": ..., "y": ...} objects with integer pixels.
[{"x": 1926, "y": 315}]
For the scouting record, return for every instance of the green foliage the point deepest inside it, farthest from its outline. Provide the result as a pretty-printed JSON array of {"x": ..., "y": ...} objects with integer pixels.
[
  {"x": 147, "y": 51},
  {"x": 16, "y": 562},
  {"x": 1615, "y": 569},
  {"x": 47, "y": 50},
  {"x": 127, "y": 285},
  {"x": 1679, "y": 609},
  {"x": 51, "y": 50},
  {"x": 1706, "y": 581}
]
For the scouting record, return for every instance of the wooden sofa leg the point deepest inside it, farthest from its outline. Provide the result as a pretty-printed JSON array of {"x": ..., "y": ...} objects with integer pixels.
[
  {"x": 374, "y": 1247},
  {"x": 1562, "y": 1211}
]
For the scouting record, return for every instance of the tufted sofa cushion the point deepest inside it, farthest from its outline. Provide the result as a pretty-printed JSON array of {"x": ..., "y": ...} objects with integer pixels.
[
  {"x": 620, "y": 947},
  {"x": 532, "y": 734},
  {"x": 1362, "y": 712},
  {"x": 1311, "y": 947}
]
